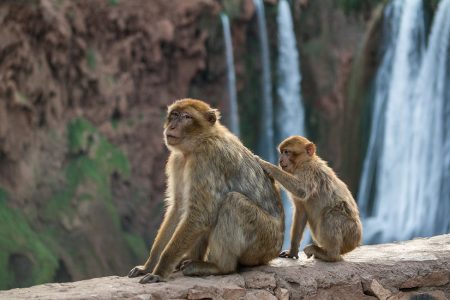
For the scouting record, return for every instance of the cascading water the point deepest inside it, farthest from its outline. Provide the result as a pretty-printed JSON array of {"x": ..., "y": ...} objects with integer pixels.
[
  {"x": 231, "y": 77},
  {"x": 407, "y": 158},
  {"x": 391, "y": 194},
  {"x": 382, "y": 81},
  {"x": 290, "y": 113},
  {"x": 266, "y": 138},
  {"x": 290, "y": 118},
  {"x": 429, "y": 147}
]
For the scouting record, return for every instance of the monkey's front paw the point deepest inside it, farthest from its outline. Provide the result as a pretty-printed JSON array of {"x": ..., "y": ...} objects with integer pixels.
[
  {"x": 289, "y": 254},
  {"x": 151, "y": 278},
  {"x": 259, "y": 159},
  {"x": 309, "y": 251},
  {"x": 265, "y": 166},
  {"x": 137, "y": 271}
]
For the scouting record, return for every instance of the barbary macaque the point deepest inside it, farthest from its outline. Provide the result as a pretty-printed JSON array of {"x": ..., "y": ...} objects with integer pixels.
[
  {"x": 320, "y": 200},
  {"x": 222, "y": 209}
]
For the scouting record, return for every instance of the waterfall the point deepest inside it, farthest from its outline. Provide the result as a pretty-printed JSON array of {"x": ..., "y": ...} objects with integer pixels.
[
  {"x": 383, "y": 78},
  {"x": 407, "y": 164},
  {"x": 231, "y": 77},
  {"x": 266, "y": 147},
  {"x": 290, "y": 112},
  {"x": 393, "y": 170},
  {"x": 290, "y": 117},
  {"x": 429, "y": 148}
]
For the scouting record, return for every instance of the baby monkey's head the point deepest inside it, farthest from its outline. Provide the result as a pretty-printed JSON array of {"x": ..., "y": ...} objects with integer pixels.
[{"x": 294, "y": 151}]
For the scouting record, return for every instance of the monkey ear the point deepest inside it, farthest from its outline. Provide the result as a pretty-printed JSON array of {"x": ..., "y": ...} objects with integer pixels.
[
  {"x": 310, "y": 149},
  {"x": 211, "y": 116}
]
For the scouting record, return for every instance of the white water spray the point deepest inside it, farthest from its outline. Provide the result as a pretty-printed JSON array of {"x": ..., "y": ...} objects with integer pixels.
[
  {"x": 290, "y": 118},
  {"x": 407, "y": 162},
  {"x": 266, "y": 137},
  {"x": 231, "y": 77}
]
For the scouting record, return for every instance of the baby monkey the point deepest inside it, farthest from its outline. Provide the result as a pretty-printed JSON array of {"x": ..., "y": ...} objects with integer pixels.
[{"x": 320, "y": 199}]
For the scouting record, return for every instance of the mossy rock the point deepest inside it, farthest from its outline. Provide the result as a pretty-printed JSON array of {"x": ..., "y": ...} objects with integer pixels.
[{"x": 25, "y": 258}]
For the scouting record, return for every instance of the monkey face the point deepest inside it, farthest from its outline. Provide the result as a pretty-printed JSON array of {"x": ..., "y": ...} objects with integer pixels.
[
  {"x": 187, "y": 121},
  {"x": 294, "y": 151},
  {"x": 287, "y": 160},
  {"x": 177, "y": 124}
]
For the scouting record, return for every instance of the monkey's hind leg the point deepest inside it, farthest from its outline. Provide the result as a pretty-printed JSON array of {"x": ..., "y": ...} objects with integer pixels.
[
  {"x": 196, "y": 254},
  {"x": 200, "y": 268},
  {"x": 235, "y": 237},
  {"x": 329, "y": 237},
  {"x": 330, "y": 255},
  {"x": 225, "y": 242}
]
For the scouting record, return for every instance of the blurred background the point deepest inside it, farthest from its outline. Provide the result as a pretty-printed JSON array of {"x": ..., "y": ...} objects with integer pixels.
[{"x": 84, "y": 87}]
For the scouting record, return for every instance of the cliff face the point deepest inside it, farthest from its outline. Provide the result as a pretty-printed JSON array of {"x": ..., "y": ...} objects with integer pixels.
[
  {"x": 417, "y": 269},
  {"x": 84, "y": 87}
]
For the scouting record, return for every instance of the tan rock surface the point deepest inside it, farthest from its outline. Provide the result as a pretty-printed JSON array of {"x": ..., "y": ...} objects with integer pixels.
[{"x": 419, "y": 268}]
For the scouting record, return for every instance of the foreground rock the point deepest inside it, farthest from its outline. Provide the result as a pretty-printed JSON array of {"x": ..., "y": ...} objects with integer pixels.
[{"x": 419, "y": 268}]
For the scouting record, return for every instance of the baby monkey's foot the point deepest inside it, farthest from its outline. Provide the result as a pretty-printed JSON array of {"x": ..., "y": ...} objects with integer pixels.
[
  {"x": 289, "y": 254},
  {"x": 309, "y": 250}
]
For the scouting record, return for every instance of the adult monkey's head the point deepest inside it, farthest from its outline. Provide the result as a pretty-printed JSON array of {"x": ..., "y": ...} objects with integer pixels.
[{"x": 188, "y": 122}]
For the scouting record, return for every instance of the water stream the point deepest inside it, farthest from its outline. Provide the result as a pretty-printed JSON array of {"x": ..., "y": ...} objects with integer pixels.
[
  {"x": 404, "y": 185},
  {"x": 231, "y": 77},
  {"x": 266, "y": 137},
  {"x": 290, "y": 116}
]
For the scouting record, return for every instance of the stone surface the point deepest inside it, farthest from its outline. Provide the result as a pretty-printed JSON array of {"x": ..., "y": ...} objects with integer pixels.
[
  {"x": 376, "y": 289},
  {"x": 418, "y": 268}
]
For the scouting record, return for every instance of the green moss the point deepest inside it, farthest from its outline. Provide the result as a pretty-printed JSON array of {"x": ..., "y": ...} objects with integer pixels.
[
  {"x": 91, "y": 59},
  {"x": 18, "y": 238},
  {"x": 79, "y": 132},
  {"x": 113, "y": 2},
  {"x": 94, "y": 161},
  {"x": 103, "y": 156},
  {"x": 21, "y": 98},
  {"x": 232, "y": 8},
  {"x": 136, "y": 244}
]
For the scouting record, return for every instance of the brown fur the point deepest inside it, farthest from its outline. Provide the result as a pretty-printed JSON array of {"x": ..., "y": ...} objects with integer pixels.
[
  {"x": 320, "y": 200},
  {"x": 222, "y": 210}
]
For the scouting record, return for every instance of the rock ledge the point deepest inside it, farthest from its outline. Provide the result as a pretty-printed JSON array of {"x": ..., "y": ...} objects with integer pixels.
[{"x": 420, "y": 268}]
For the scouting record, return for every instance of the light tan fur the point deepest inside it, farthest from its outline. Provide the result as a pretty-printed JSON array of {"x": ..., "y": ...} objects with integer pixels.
[
  {"x": 222, "y": 209},
  {"x": 320, "y": 200}
]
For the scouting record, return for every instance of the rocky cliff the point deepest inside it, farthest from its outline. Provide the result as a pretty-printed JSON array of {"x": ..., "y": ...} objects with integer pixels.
[
  {"x": 84, "y": 87},
  {"x": 418, "y": 269}
]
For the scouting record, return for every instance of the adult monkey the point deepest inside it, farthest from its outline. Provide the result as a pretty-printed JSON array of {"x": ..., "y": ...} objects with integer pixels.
[{"x": 222, "y": 210}]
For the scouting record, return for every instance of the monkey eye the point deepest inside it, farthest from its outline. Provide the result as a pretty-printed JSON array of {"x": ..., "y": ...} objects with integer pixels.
[
  {"x": 186, "y": 116},
  {"x": 174, "y": 115}
]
